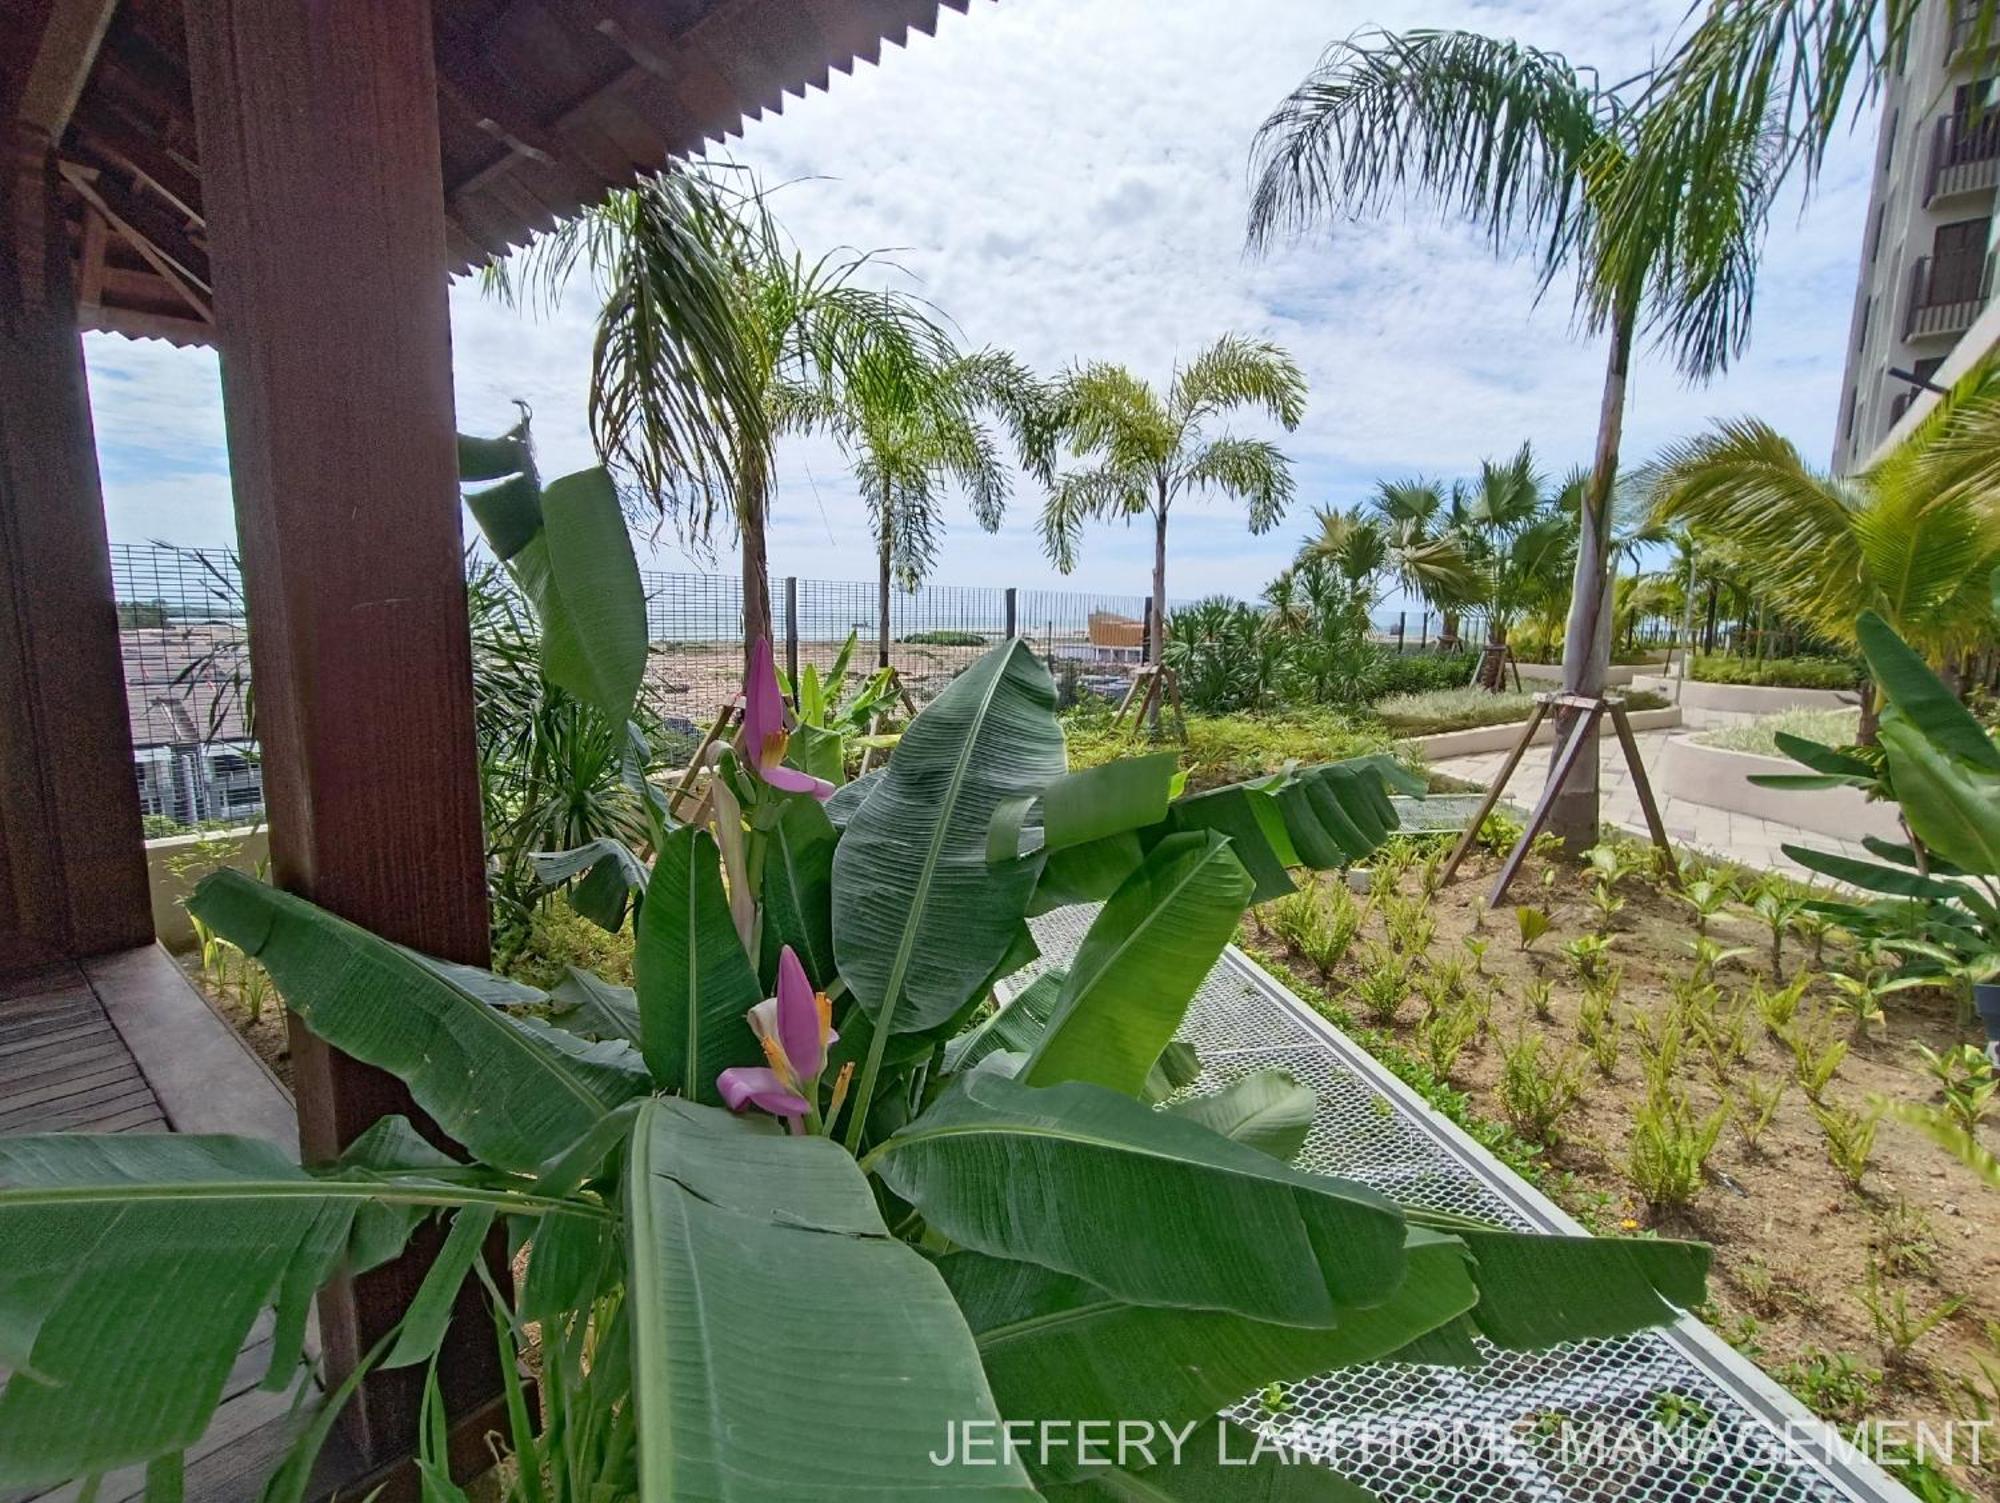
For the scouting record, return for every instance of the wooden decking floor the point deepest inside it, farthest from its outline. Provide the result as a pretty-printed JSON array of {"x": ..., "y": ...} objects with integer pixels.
[{"x": 68, "y": 1064}]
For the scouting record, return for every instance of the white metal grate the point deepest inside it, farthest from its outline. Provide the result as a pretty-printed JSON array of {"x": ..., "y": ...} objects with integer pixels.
[{"x": 1668, "y": 1416}]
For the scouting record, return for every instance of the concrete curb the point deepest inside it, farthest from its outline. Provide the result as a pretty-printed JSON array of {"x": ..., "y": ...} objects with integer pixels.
[
  {"x": 1720, "y": 778},
  {"x": 1488, "y": 738}
]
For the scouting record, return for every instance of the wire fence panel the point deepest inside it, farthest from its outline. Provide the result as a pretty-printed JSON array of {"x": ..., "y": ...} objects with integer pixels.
[{"x": 183, "y": 635}]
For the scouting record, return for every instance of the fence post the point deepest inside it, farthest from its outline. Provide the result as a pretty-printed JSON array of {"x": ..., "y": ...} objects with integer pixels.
[
  {"x": 1399, "y": 632},
  {"x": 1013, "y": 600},
  {"x": 1423, "y": 631},
  {"x": 792, "y": 634}
]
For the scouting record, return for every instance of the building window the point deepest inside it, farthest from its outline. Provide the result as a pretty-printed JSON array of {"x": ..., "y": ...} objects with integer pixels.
[
  {"x": 1875, "y": 234},
  {"x": 1867, "y": 316},
  {"x": 1847, "y": 420},
  {"x": 1889, "y": 138}
]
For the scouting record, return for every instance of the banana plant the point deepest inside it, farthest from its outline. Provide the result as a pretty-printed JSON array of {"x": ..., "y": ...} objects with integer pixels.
[
  {"x": 1941, "y": 887},
  {"x": 889, "y": 1239},
  {"x": 809, "y": 1205}
]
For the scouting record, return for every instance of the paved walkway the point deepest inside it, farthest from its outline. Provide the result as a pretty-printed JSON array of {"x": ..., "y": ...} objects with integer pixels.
[{"x": 1741, "y": 838}]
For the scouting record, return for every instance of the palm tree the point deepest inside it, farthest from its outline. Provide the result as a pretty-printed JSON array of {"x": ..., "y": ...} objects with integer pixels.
[
  {"x": 1822, "y": 549},
  {"x": 1421, "y": 524},
  {"x": 909, "y": 444},
  {"x": 1536, "y": 150},
  {"x": 1149, "y": 449},
  {"x": 1519, "y": 544},
  {"x": 716, "y": 337}
]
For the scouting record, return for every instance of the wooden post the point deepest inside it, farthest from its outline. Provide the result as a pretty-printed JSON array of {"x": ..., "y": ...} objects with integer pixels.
[
  {"x": 72, "y": 859},
  {"x": 322, "y": 189}
]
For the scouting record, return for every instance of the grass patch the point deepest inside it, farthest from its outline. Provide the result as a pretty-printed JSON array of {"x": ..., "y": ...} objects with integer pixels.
[
  {"x": 1759, "y": 736},
  {"x": 1229, "y": 748},
  {"x": 1440, "y": 710}
]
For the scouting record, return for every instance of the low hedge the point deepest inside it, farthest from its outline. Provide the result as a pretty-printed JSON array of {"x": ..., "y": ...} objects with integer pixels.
[{"x": 1776, "y": 673}]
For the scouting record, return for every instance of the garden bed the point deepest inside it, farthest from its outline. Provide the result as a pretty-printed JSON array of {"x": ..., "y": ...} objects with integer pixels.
[{"x": 1801, "y": 1255}]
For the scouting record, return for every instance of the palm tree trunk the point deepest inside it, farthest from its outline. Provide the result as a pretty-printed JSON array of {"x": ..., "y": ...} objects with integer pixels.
[
  {"x": 1157, "y": 645},
  {"x": 1493, "y": 657},
  {"x": 1587, "y": 641},
  {"x": 886, "y": 551},
  {"x": 750, "y": 503}
]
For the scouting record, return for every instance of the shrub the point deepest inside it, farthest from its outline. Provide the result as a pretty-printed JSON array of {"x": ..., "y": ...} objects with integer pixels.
[
  {"x": 1537, "y": 1094},
  {"x": 1759, "y": 736},
  {"x": 1422, "y": 672},
  {"x": 1776, "y": 673},
  {"x": 943, "y": 638},
  {"x": 1670, "y": 1148},
  {"x": 1223, "y": 656}
]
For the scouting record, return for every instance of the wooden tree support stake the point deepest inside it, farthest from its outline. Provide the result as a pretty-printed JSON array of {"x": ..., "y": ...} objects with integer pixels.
[
  {"x": 1155, "y": 685},
  {"x": 724, "y": 722},
  {"x": 1593, "y": 710}
]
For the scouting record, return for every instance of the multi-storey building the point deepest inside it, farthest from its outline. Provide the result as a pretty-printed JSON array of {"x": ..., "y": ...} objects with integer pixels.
[{"x": 1927, "y": 253}]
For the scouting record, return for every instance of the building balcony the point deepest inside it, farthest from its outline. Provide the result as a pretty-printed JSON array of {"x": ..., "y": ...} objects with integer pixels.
[
  {"x": 1946, "y": 295},
  {"x": 1965, "y": 156}
]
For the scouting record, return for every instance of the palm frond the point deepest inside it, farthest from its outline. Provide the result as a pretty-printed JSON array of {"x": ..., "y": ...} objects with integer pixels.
[
  {"x": 1253, "y": 470},
  {"x": 1078, "y": 496},
  {"x": 1491, "y": 130},
  {"x": 1237, "y": 372}
]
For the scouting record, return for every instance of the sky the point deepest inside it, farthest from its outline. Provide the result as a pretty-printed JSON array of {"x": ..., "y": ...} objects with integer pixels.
[{"x": 1067, "y": 179}]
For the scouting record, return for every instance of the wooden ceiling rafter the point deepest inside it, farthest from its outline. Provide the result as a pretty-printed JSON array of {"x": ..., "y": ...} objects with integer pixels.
[{"x": 544, "y": 105}]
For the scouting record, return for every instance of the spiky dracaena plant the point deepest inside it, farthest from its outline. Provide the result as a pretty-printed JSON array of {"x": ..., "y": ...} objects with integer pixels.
[
  {"x": 1534, "y": 148},
  {"x": 1146, "y": 449}
]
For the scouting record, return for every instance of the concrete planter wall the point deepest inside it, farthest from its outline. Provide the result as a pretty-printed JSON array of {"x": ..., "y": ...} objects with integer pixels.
[
  {"x": 251, "y": 849},
  {"x": 1755, "y": 699},
  {"x": 1720, "y": 778},
  {"x": 1617, "y": 675},
  {"x": 1490, "y": 738}
]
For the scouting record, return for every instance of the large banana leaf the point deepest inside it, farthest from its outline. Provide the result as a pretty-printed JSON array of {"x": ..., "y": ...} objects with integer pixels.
[
  {"x": 1080, "y": 1179},
  {"x": 784, "y": 1345},
  {"x": 1147, "y": 952},
  {"x": 1056, "y": 1347},
  {"x": 1872, "y": 876},
  {"x": 1013, "y": 1028},
  {"x": 133, "y": 1265},
  {"x": 566, "y": 546},
  {"x": 695, "y": 985},
  {"x": 1220, "y": 1462},
  {"x": 590, "y": 1006},
  {"x": 1952, "y": 803},
  {"x": 798, "y": 891},
  {"x": 1921, "y": 697},
  {"x": 1267, "y": 1109},
  {"x": 514, "y": 1091},
  {"x": 920, "y": 919}
]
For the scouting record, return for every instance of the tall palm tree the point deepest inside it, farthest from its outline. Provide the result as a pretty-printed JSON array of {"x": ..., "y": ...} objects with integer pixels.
[
  {"x": 716, "y": 337},
  {"x": 911, "y": 443},
  {"x": 1822, "y": 549},
  {"x": 1148, "y": 449},
  {"x": 1535, "y": 149}
]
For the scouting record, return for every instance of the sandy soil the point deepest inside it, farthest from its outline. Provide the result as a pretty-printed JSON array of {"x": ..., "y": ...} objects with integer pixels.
[{"x": 1794, "y": 1245}]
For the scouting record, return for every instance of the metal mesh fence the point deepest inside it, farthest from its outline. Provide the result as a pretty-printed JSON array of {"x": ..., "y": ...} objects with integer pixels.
[
  {"x": 184, "y": 635},
  {"x": 182, "y": 632}
]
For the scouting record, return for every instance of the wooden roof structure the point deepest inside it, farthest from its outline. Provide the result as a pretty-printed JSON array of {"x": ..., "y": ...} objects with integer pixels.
[{"x": 543, "y": 107}]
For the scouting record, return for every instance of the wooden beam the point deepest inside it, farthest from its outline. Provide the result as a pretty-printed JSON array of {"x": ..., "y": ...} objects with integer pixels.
[
  {"x": 321, "y": 188},
  {"x": 72, "y": 861},
  {"x": 61, "y": 44}
]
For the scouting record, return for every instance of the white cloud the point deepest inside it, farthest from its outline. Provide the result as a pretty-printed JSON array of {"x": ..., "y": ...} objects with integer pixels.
[{"x": 1068, "y": 181}]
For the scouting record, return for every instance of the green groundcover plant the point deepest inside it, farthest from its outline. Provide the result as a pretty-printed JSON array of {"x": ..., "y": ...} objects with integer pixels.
[{"x": 807, "y": 1201}]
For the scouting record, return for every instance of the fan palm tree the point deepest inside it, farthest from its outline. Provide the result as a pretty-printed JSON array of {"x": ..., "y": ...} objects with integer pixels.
[
  {"x": 1148, "y": 449},
  {"x": 1520, "y": 547},
  {"x": 1823, "y": 549},
  {"x": 1535, "y": 149},
  {"x": 911, "y": 443},
  {"x": 1421, "y": 525},
  {"x": 716, "y": 337}
]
